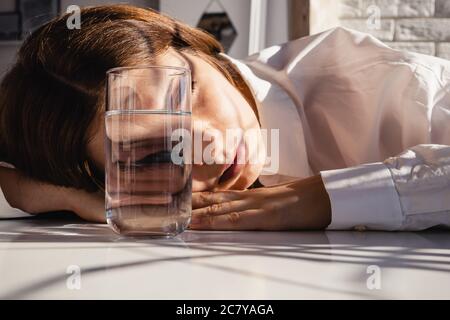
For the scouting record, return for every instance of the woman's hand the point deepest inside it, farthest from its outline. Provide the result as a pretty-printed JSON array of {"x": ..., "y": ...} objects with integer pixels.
[
  {"x": 299, "y": 205},
  {"x": 36, "y": 197}
]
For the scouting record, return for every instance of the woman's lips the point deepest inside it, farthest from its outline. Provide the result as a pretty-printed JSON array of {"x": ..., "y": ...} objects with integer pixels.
[{"x": 235, "y": 168}]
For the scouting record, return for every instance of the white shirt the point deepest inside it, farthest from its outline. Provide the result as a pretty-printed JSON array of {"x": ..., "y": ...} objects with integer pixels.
[
  {"x": 373, "y": 121},
  {"x": 6, "y": 211}
]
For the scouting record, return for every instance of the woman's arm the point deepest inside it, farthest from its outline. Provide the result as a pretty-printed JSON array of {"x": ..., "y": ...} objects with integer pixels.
[
  {"x": 410, "y": 191},
  {"x": 298, "y": 205},
  {"x": 36, "y": 197}
]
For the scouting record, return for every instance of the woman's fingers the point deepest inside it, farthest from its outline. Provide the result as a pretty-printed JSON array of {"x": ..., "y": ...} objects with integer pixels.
[
  {"x": 253, "y": 219},
  {"x": 205, "y": 199},
  {"x": 228, "y": 210},
  {"x": 220, "y": 208}
]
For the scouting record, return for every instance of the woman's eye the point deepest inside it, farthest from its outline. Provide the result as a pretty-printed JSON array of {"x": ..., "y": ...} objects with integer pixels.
[{"x": 193, "y": 85}]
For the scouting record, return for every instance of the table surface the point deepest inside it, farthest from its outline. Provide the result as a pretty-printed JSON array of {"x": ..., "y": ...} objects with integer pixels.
[{"x": 41, "y": 258}]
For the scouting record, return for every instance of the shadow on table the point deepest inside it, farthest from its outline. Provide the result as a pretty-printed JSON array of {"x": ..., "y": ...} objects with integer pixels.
[
  {"x": 54, "y": 227},
  {"x": 67, "y": 227},
  {"x": 428, "y": 250}
]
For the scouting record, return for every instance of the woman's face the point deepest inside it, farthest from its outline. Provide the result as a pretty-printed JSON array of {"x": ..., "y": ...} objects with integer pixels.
[{"x": 217, "y": 108}]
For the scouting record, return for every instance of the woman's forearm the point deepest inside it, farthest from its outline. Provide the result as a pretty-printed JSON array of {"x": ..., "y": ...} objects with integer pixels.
[
  {"x": 298, "y": 205},
  {"x": 313, "y": 209},
  {"x": 87, "y": 205}
]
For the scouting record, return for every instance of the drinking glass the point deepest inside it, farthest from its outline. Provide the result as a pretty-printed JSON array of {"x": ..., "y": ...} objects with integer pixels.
[{"x": 148, "y": 167}]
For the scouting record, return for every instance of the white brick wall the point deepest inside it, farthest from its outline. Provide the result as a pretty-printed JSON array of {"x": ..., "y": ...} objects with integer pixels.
[{"x": 415, "y": 25}]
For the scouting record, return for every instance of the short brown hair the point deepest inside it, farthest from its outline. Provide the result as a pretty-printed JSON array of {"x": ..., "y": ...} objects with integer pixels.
[{"x": 55, "y": 90}]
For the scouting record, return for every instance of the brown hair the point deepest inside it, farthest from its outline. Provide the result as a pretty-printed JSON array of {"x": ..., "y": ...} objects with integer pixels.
[{"x": 55, "y": 90}]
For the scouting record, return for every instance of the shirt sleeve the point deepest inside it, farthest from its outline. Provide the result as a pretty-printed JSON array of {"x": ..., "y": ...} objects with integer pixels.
[
  {"x": 410, "y": 191},
  {"x": 6, "y": 211}
]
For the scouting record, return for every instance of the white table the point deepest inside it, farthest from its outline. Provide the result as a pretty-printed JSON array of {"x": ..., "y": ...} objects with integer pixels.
[{"x": 36, "y": 254}]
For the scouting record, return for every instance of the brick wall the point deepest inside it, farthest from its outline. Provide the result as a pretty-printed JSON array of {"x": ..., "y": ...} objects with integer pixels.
[{"x": 415, "y": 25}]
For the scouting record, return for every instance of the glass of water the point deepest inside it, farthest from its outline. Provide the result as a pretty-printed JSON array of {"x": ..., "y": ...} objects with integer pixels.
[{"x": 148, "y": 150}]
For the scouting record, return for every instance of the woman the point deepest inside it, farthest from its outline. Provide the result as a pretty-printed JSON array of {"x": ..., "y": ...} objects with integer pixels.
[{"x": 342, "y": 101}]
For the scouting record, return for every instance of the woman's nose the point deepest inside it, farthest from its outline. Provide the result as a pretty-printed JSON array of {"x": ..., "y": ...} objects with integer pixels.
[{"x": 206, "y": 143}]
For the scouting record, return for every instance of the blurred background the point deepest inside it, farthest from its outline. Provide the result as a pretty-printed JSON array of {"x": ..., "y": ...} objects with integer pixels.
[{"x": 247, "y": 26}]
